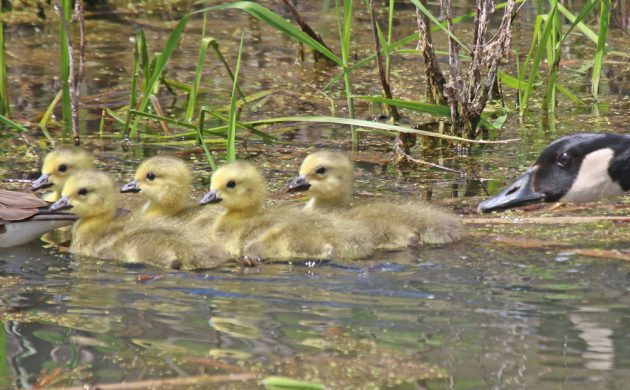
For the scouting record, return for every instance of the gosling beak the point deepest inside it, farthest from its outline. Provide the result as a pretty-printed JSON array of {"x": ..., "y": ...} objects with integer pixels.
[
  {"x": 299, "y": 184},
  {"x": 210, "y": 197},
  {"x": 132, "y": 186},
  {"x": 41, "y": 182},
  {"x": 61, "y": 204},
  {"x": 520, "y": 193}
]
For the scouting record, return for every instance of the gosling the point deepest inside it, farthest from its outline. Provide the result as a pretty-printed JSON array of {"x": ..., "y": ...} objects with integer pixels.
[
  {"x": 253, "y": 231},
  {"x": 100, "y": 233},
  {"x": 327, "y": 177},
  {"x": 58, "y": 166}
]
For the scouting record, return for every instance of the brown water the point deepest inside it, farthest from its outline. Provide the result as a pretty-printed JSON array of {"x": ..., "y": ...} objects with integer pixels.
[{"x": 484, "y": 313}]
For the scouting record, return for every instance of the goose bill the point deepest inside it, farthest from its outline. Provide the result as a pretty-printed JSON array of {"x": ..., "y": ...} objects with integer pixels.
[
  {"x": 299, "y": 184},
  {"x": 520, "y": 193},
  {"x": 41, "y": 182},
  {"x": 132, "y": 186},
  {"x": 210, "y": 197},
  {"x": 61, "y": 204}
]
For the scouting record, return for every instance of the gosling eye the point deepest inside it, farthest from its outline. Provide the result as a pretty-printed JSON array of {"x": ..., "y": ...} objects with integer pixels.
[
  {"x": 62, "y": 168},
  {"x": 82, "y": 191},
  {"x": 564, "y": 160},
  {"x": 231, "y": 184},
  {"x": 151, "y": 176},
  {"x": 320, "y": 170}
]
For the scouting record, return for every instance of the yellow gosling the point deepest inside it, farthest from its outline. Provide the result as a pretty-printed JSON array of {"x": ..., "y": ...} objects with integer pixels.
[
  {"x": 58, "y": 166},
  {"x": 100, "y": 233},
  {"x": 166, "y": 183},
  {"x": 252, "y": 230},
  {"x": 327, "y": 177}
]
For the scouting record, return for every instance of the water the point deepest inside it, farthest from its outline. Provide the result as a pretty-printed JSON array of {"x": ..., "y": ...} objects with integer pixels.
[{"x": 483, "y": 313}]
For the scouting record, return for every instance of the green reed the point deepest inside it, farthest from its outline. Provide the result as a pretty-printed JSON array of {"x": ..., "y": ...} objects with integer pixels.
[
  {"x": 232, "y": 116},
  {"x": 204, "y": 44},
  {"x": 5, "y": 106},
  {"x": 65, "y": 17},
  {"x": 153, "y": 73}
]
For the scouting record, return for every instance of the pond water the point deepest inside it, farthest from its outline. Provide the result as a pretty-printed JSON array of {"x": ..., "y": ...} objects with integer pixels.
[{"x": 511, "y": 306}]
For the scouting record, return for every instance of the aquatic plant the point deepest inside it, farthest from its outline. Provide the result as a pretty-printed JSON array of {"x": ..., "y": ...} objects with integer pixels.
[{"x": 5, "y": 108}]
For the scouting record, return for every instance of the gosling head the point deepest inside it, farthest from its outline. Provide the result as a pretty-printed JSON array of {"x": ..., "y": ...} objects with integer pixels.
[
  {"x": 237, "y": 186},
  {"x": 165, "y": 181},
  {"x": 327, "y": 177},
  {"x": 88, "y": 193},
  {"x": 60, "y": 164}
]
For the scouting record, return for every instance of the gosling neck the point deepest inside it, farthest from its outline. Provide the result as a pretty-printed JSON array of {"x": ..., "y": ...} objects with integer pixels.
[
  {"x": 169, "y": 208},
  {"x": 94, "y": 225},
  {"x": 330, "y": 203},
  {"x": 233, "y": 219}
]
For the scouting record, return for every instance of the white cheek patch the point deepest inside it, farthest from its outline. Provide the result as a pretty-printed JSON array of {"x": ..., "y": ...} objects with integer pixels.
[{"x": 592, "y": 181}]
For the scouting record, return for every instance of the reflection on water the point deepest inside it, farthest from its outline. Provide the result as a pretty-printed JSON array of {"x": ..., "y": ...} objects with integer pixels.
[{"x": 486, "y": 318}]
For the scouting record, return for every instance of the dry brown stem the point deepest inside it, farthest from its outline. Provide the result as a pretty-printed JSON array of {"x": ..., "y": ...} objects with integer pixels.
[
  {"x": 434, "y": 77},
  {"x": 387, "y": 91}
]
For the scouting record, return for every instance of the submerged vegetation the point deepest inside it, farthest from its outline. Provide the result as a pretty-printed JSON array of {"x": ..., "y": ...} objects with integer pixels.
[{"x": 456, "y": 100}]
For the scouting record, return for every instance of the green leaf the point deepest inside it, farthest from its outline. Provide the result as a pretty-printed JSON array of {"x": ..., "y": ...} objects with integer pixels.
[
  {"x": 372, "y": 125},
  {"x": 231, "y": 146},
  {"x": 442, "y": 27},
  {"x": 540, "y": 52},
  {"x": 604, "y": 19},
  {"x": 201, "y": 59},
  {"x": 160, "y": 63},
  {"x": 12, "y": 124},
  {"x": 278, "y": 382},
  {"x": 433, "y": 109},
  {"x": 276, "y": 21}
]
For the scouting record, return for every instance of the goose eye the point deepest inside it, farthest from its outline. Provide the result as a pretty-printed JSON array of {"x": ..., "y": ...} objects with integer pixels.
[
  {"x": 320, "y": 170},
  {"x": 564, "y": 160},
  {"x": 151, "y": 176},
  {"x": 231, "y": 184},
  {"x": 62, "y": 168},
  {"x": 82, "y": 192}
]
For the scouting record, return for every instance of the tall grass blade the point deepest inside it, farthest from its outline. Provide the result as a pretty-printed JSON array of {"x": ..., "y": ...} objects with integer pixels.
[
  {"x": 278, "y": 22},
  {"x": 140, "y": 58},
  {"x": 215, "y": 47},
  {"x": 231, "y": 146},
  {"x": 369, "y": 59},
  {"x": 403, "y": 41},
  {"x": 157, "y": 69},
  {"x": 390, "y": 29},
  {"x": 540, "y": 52},
  {"x": 161, "y": 118},
  {"x": 433, "y": 109},
  {"x": 576, "y": 21},
  {"x": 5, "y": 106},
  {"x": 267, "y": 139},
  {"x": 64, "y": 63},
  {"x": 372, "y": 125},
  {"x": 202, "y": 141},
  {"x": 604, "y": 20},
  {"x": 344, "y": 26},
  {"x": 14, "y": 125},
  {"x": 282, "y": 383},
  {"x": 201, "y": 59},
  {"x": 442, "y": 27}
]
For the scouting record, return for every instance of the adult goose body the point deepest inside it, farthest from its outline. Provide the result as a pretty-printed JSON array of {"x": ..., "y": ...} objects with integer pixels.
[{"x": 24, "y": 217}]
